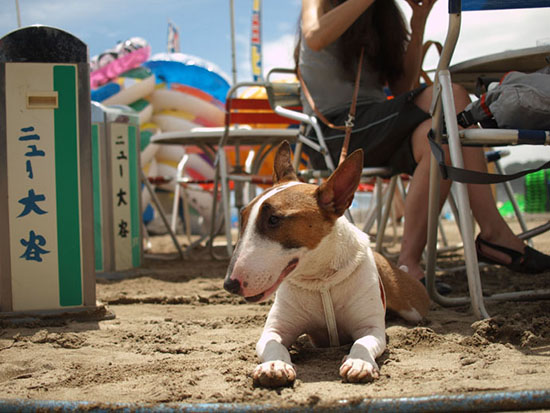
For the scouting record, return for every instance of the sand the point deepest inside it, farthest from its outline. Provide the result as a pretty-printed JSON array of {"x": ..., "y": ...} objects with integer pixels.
[{"x": 178, "y": 337}]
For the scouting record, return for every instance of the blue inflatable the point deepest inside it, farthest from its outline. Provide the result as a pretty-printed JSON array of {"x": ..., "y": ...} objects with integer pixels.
[
  {"x": 189, "y": 70},
  {"x": 105, "y": 91}
]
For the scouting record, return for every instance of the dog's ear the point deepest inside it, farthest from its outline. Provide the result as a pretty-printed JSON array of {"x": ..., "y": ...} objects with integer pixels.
[
  {"x": 336, "y": 194},
  {"x": 283, "y": 170}
]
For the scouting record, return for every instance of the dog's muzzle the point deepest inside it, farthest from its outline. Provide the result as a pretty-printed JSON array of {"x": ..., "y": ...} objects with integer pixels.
[{"x": 232, "y": 286}]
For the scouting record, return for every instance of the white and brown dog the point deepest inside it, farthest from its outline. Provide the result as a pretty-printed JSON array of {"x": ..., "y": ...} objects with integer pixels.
[{"x": 294, "y": 239}]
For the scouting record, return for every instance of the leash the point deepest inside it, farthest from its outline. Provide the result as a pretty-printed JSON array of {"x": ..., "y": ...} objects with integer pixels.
[
  {"x": 349, "y": 123},
  {"x": 328, "y": 307}
]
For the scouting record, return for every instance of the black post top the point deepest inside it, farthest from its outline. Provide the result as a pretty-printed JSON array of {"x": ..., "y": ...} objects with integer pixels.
[{"x": 42, "y": 44}]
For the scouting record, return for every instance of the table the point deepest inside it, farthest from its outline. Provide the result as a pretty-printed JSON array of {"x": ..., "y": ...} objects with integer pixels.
[
  {"x": 207, "y": 139},
  {"x": 497, "y": 65}
]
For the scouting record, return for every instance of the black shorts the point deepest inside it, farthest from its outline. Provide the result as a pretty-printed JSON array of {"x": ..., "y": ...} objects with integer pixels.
[{"x": 383, "y": 130}]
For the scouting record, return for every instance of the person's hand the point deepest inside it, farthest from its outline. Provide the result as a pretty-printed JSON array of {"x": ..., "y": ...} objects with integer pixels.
[{"x": 420, "y": 11}]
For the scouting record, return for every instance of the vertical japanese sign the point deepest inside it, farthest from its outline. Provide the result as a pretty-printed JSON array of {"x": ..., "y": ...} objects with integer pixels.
[
  {"x": 43, "y": 185},
  {"x": 256, "y": 41},
  {"x": 125, "y": 181}
]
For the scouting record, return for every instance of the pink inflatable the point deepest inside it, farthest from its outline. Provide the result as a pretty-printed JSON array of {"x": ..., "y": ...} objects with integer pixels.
[{"x": 125, "y": 56}]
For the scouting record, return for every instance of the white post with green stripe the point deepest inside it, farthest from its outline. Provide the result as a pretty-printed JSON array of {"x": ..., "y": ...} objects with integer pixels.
[
  {"x": 46, "y": 242},
  {"x": 116, "y": 165}
]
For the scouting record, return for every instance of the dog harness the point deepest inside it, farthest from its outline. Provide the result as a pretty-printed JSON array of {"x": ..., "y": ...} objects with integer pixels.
[
  {"x": 330, "y": 317},
  {"x": 328, "y": 306}
]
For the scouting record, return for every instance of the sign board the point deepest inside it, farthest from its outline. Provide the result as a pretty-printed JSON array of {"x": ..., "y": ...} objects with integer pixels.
[
  {"x": 46, "y": 247},
  {"x": 116, "y": 166}
]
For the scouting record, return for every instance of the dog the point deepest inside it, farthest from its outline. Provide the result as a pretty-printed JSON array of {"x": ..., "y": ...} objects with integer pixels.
[{"x": 295, "y": 240}]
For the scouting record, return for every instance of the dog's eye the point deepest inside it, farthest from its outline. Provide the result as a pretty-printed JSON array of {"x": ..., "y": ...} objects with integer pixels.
[{"x": 273, "y": 220}]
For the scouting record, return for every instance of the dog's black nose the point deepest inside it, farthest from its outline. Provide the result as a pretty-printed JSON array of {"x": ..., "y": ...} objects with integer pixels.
[{"x": 233, "y": 286}]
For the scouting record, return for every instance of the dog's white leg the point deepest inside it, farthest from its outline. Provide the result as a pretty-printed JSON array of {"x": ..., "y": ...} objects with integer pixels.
[
  {"x": 282, "y": 327},
  {"x": 276, "y": 369},
  {"x": 360, "y": 365}
]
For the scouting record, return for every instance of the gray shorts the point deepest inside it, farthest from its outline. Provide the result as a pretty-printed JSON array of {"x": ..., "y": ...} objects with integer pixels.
[{"x": 383, "y": 130}]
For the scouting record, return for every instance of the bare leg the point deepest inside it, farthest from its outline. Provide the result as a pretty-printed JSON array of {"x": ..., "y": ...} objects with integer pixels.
[
  {"x": 493, "y": 227},
  {"x": 416, "y": 204}
]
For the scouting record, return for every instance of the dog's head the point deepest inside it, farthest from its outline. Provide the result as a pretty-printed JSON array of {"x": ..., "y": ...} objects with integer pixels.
[{"x": 285, "y": 222}]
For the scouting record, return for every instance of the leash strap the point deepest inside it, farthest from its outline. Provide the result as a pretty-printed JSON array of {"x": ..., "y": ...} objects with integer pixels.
[
  {"x": 468, "y": 176},
  {"x": 330, "y": 318},
  {"x": 348, "y": 126}
]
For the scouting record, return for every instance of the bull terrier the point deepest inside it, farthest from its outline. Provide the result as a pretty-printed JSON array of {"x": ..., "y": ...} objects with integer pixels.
[{"x": 295, "y": 240}]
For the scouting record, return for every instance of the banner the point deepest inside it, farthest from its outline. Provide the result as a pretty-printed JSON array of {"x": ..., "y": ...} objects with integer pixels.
[
  {"x": 173, "y": 43},
  {"x": 256, "y": 41}
]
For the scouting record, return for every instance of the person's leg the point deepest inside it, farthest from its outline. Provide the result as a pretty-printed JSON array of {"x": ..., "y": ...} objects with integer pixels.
[
  {"x": 492, "y": 226},
  {"x": 416, "y": 203}
]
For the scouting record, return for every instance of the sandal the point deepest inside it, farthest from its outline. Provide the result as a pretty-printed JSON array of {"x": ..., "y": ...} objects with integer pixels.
[{"x": 530, "y": 262}]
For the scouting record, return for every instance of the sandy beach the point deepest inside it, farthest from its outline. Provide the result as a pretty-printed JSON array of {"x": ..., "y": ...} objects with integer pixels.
[{"x": 175, "y": 336}]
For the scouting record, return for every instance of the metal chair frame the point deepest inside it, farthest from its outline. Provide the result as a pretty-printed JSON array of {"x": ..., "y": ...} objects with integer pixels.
[{"x": 443, "y": 108}]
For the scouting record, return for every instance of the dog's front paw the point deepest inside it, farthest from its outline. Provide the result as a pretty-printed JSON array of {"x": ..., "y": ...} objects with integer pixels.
[
  {"x": 358, "y": 371},
  {"x": 274, "y": 374}
]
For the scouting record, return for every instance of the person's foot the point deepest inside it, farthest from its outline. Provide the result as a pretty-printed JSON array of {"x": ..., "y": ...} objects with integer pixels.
[
  {"x": 441, "y": 287},
  {"x": 528, "y": 261}
]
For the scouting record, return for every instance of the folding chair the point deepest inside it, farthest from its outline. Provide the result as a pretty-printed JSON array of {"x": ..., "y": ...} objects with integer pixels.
[
  {"x": 248, "y": 122},
  {"x": 443, "y": 108}
]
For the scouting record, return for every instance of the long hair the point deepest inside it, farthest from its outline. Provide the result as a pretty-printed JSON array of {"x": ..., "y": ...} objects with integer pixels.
[{"x": 382, "y": 31}]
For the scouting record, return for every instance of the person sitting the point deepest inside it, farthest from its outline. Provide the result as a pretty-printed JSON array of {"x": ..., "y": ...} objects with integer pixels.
[{"x": 393, "y": 132}]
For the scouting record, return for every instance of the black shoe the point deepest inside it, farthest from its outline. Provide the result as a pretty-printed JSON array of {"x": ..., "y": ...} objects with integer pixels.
[
  {"x": 530, "y": 262},
  {"x": 441, "y": 287}
]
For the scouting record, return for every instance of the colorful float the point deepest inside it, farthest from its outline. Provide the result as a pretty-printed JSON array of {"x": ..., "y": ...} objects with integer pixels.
[
  {"x": 191, "y": 71},
  {"x": 205, "y": 110},
  {"x": 125, "y": 89},
  {"x": 113, "y": 62},
  {"x": 170, "y": 92}
]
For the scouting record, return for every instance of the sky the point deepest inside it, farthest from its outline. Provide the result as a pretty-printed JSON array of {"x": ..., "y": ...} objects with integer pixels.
[{"x": 204, "y": 27}]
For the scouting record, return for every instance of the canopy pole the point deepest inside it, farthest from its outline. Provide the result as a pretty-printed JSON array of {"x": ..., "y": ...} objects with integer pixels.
[
  {"x": 233, "y": 56},
  {"x": 19, "y": 13}
]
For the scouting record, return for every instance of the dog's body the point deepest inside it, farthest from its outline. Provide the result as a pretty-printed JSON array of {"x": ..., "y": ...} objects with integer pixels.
[{"x": 295, "y": 240}]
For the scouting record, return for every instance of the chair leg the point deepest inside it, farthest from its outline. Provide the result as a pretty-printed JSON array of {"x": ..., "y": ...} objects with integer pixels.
[
  {"x": 297, "y": 155},
  {"x": 186, "y": 214},
  {"x": 510, "y": 193},
  {"x": 177, "y": 191},
  {"x": 214, "y": 228},
  {"x": 385, "y": 208},
  {"x": 463, "y": 203},
  {"x": 157, "y": 203},
  {"x": 225, "y": 201}
]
